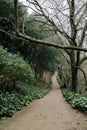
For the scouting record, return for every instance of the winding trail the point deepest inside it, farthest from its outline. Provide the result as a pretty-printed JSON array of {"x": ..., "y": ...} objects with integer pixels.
[{"x": 49, "y": 113}]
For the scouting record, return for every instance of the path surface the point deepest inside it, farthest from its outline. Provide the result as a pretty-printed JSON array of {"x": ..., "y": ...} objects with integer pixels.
[{"x": 49, "y": 113}]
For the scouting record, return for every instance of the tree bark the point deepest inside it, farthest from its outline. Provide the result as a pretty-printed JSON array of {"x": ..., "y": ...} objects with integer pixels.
[
  {"x": 74, "y": 71},
  {"x": 74, "y": 83}
]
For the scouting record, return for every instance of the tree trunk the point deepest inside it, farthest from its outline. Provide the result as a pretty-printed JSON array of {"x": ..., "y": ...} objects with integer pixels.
[
  {"x": 40, "y": 73},
  {"x": 74, "y": 71},
  {"x": 74, "y": 83}
]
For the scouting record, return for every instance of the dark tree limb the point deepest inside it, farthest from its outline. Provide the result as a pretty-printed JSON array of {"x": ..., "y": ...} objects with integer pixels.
[{"x": 16, "y": 14}]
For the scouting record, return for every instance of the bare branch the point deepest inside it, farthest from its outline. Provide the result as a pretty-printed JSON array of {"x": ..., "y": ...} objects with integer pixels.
[
  {"x": 68, "y": 1},
  {"x": 32, "y": 40},
  {"x": 82, "y": 60},
  {"x": 72, "y": 22},
  {"x": 84, "y": 74},
  {"x": 16, "y": 14},
  {"x": 83, "y": 34},
  {"x": 51, "y": 21},
  {"x": 80, "y": 9},
  {"x": 80, "y": 17}
]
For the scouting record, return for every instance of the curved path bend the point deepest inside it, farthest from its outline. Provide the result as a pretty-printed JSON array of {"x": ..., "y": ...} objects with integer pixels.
[{"x": 49, "y": 113}]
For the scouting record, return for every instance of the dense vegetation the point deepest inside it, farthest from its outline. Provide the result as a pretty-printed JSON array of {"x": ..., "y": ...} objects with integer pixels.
[
  {"x": 78, "y": 101},
  {"x": 23, "y": 64},
  {"x": 17, "y": 83},
  {"x": 12, "y": 101},
  {"x": 25, "y": 69},
  {"x": 13, "y": 69}
]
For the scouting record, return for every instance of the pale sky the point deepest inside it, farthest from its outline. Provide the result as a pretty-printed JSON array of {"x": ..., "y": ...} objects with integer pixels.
[{"x": 26, "y": 3}]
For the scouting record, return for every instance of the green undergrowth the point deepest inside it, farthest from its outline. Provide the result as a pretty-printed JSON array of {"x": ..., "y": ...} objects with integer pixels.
[
  {"x": 13, "y": 69},
  {"x": 17, "y": 84},
  {"x": 11, "y": 102},
  {"x": 76, "y": 100}
]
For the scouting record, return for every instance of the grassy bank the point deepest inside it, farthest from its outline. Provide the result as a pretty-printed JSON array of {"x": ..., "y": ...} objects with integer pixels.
[
  {"x": 76, "y": 100},
  {"x": 13, "y": 101},
  {"x": 18, "y": 86}
]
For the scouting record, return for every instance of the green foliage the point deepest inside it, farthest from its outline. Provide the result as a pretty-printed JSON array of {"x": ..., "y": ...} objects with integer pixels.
[
  {"x": 41, "y": 58},
  {"x": 7, "y": 23},
  {"x": 64, "y": 82},
  {"x": 13, "y": 69},
  {"x": 48, "y": 59},
  {"x": 45, "y": 60},
  {"x": 64, "y": 73},
  {"x": 35, "y": 28},
  {"x": 76, "y": 100},
  {"x": 15, "y": 72},
  {"x": 50, "y": 83},
  {"x": 11, "y": 102},
  {"x": 7, "y": 10}
]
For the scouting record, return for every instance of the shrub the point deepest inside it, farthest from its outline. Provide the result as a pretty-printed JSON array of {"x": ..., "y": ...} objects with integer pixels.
[
  {"x": 11, "y": 102},
  {"x": 78, "y": 101},
  {"x": 13, "y": 69},
  {"x": 16, "y": 75}
]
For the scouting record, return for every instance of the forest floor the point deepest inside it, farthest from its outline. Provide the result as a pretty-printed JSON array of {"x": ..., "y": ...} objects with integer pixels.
[{"x": 49, "y": 113}]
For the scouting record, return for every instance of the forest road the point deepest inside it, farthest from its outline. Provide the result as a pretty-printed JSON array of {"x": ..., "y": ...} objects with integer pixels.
[{"x": 49, "y": 113}]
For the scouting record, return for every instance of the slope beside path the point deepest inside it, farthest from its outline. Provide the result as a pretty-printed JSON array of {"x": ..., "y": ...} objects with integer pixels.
[{"x": 49, "y": 113}]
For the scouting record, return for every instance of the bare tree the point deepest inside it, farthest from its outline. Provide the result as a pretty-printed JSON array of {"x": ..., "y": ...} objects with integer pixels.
[{"x": 67, "y": 18}]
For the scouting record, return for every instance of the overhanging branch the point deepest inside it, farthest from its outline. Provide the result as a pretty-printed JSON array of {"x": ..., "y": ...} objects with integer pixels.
[
  {"x": 26, "y": 38},
  {"x": 32, "y": 40}
]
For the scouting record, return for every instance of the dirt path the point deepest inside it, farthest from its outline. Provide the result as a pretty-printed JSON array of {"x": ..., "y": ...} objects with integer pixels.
[{"x": 49, "y": 113}]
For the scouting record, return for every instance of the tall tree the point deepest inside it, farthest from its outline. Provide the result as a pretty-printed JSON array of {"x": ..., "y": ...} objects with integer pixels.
[
  {"x": 7, "y": 22},
  {"x": 68, "y": 19}
]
